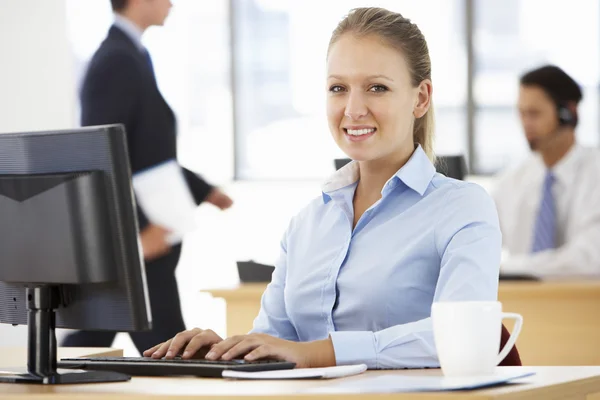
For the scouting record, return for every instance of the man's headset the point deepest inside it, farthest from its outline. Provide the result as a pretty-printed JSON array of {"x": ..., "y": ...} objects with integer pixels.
[{"x": 565, "y": 116}]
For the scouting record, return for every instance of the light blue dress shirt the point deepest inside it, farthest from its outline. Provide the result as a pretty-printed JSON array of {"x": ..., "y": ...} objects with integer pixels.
[{"x": 429, "y": 238}]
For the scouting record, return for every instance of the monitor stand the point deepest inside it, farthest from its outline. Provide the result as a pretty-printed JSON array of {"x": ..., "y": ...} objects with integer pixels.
[{"x": 42, "y": 301}]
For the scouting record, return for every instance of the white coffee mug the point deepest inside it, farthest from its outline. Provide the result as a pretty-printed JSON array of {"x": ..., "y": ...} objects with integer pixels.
[{"x": 467, "y": 336}]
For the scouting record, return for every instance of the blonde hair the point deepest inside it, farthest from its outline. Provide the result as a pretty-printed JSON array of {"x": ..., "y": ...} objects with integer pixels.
[{"x": 399, "y": 33}]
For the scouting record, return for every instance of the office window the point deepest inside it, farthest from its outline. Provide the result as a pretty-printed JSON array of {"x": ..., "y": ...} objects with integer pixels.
[
  {"x": 277, "y": 79},
  {"x": 191, "y": 57},
  {"x": 513, "y": 36},
  {"x": 280, "y": 48}
]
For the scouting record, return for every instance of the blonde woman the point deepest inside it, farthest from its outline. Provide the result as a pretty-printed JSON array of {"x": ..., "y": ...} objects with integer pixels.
[{"x": 361, "y": 265}]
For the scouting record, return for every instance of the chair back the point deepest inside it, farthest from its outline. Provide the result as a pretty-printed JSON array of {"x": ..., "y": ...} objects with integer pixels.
[{"x": 512, "y": 359}]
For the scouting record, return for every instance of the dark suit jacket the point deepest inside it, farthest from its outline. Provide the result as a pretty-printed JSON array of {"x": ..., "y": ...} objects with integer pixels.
[{"x": 120, "y": 87}]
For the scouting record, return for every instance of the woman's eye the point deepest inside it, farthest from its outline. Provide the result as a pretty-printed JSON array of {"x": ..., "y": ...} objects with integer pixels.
[
  {"x": 378, "y": 88},
  {"x": 336, "y": 89}
]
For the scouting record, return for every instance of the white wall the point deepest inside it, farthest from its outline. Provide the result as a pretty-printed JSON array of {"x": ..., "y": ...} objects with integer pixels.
[
  {"x": 37, "y": 89},
  {"x": 36, "y": 85}
]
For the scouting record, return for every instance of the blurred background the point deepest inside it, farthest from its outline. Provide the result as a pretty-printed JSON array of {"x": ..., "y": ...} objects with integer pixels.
[{"x": 246, "y": 79}]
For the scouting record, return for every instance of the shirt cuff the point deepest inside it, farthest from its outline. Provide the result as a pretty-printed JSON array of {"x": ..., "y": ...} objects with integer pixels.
[{"x": 354, "y": 348}]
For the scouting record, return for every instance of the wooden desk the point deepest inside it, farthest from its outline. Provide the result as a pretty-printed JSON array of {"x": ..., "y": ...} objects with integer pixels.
[
  {"x": 242, "y": 305},
  {"x": 17, "y": 356},
  {"x": 561, "y": 319},
  {"x": 568, "y": 383}
]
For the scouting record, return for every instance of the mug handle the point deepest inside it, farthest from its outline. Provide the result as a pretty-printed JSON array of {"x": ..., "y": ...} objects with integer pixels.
[{"x": 513, "y": 336}]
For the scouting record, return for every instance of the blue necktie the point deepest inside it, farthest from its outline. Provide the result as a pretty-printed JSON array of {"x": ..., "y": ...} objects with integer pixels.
[{"x": 544, "y": 235}]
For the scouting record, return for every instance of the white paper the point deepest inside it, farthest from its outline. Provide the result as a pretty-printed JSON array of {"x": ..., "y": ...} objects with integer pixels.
[
  {"x": 299, "y": 373},
  {"x": 23, "y": 370},
  {"x": 165, "y": 198},
  {"x": 14, "y": 371},
  {"x": 412, "y": 383}
]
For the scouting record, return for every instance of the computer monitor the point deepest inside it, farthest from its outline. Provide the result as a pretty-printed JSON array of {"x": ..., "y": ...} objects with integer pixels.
[{"x": 69, "y": 248}]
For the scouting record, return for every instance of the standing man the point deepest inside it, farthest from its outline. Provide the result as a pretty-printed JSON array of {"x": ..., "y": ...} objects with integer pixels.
[
  {"x": 549, "y": 207},
  {"x": 120, "y": 87}
]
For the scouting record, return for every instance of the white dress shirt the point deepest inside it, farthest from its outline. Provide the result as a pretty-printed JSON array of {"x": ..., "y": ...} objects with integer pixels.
[{"x": 576, "y": 193}]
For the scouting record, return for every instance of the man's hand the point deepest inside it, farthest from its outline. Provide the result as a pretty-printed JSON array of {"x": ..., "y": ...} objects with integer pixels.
[
  {"x": 154, "y": 242},
  {"x": 219, "y": 199}
]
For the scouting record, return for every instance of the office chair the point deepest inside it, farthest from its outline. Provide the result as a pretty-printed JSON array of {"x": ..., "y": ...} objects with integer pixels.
[
  {"x": 512, "y": 359},
  {"x": 340, "y": 162},
  {"x": 250, "y": 271},
  {"x": 451, "y": 166}
]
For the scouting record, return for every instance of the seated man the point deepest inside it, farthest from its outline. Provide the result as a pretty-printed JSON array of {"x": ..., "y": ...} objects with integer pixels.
[{"x": 549, "y": 207}]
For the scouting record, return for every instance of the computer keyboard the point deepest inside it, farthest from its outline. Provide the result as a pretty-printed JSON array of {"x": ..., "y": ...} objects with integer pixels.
[{"x": 146, "y": 366}]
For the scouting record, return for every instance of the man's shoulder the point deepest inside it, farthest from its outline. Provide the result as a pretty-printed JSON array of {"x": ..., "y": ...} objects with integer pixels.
[
  {"x": 115, "y": 48},
  {"x": 588, "y": 161},
  {"x": 515, "y": 179},
  {"x": 111, "y": 63},
  {"x": 589, "y": 153},
  {"x": 111, "y": 50},
  {"x": 520, "y": 171}
]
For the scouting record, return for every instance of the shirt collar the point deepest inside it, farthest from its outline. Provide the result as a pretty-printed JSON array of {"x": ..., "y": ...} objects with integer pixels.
[
  {"x": 132, "y": 31},
  {"x": 566, "y": 167},
  {"x": 416, "y": 174}
]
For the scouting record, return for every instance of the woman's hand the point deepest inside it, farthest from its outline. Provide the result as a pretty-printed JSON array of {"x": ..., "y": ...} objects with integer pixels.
[
  {"x": 256, "y": 346},
  {"x": 192, "y": 343}
]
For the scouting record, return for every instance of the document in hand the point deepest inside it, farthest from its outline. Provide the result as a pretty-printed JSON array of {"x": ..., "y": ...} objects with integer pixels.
[
  {"x": 165, "y": 198},
  {"x": 300, "y": 373}
]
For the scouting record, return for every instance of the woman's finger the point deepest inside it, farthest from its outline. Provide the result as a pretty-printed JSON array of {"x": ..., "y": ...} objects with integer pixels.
[
  {"x": 221, "y": 348},
  {"x": 203, "y": 340},
  {"x": 242, "y": 348},
  {"x": 264, "y": 351},
  {"x": 162, "y": 350},
  {"x": 177, "y": 344},
  {"x": 151, "y": 350}
]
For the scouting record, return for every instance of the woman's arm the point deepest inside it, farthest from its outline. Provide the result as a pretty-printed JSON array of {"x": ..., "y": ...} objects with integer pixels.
[
  {"x": 272, "y": 318},
  {"x": 469, "y": 243}
]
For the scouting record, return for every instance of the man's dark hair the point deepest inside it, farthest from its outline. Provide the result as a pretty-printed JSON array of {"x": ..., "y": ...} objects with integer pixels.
[
  {"x": 118, "y": 5},
  {"x": 555, "y": 82}
]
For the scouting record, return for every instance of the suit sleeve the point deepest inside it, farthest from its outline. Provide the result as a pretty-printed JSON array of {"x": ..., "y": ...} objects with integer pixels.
[
  {"x": 109, "y": 95},
  {"x": 198, "y": 186}
]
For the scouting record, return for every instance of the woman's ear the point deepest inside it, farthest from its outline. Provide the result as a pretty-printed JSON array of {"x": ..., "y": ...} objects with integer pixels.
[{"x": 423, "y": 101}]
